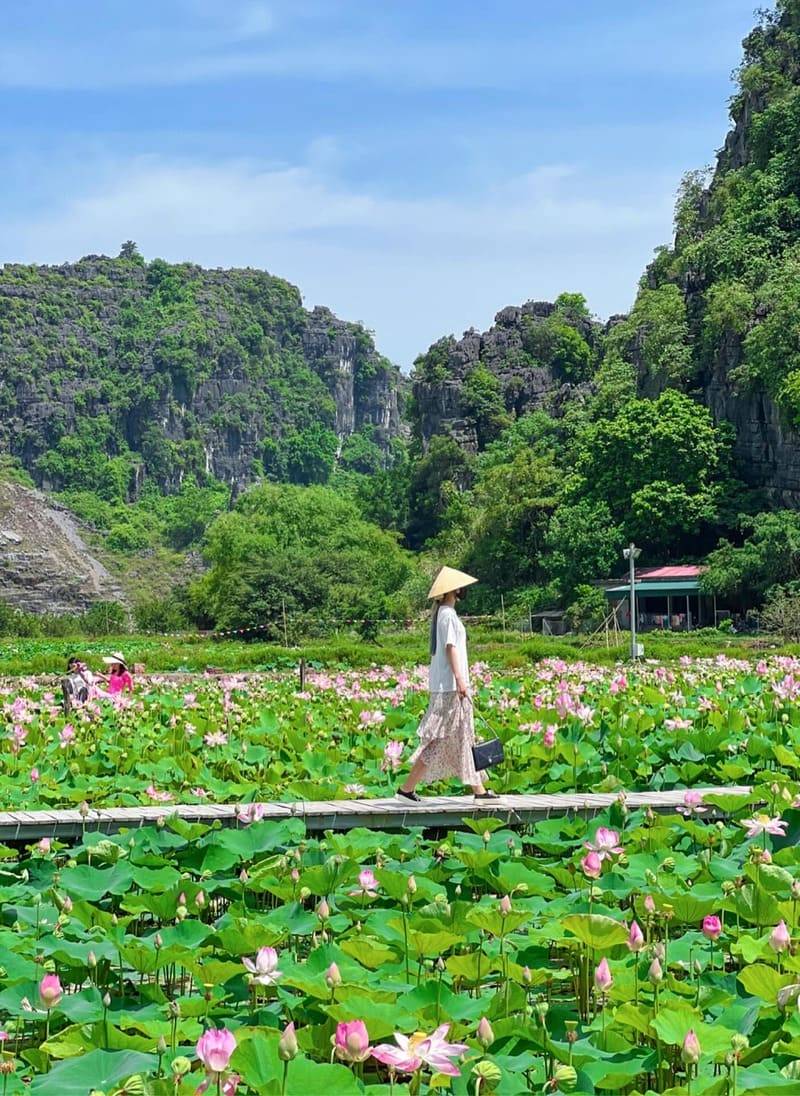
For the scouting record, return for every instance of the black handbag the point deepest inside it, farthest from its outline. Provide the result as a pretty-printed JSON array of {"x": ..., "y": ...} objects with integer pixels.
[{"x": 487, "y": 754}]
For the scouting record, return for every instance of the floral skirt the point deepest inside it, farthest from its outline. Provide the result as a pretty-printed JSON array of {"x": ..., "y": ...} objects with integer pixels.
[{"x": 446, "y": 737}]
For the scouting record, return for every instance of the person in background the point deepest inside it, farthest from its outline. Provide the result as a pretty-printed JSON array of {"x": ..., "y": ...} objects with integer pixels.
[
  {"x": 447, "y": 732},
  {"x": 119, "y": 677},
  {"x": 77, "y": 684}
]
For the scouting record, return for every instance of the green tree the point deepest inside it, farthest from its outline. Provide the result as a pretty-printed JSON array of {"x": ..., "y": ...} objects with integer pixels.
[
  {"x": 440, "y": 474},
  {"x": 769, "y": 555},
  {"x": 583, "y": 543},
  {"x": 310, "y": 454},
  {"x": 482, "y": 399}
]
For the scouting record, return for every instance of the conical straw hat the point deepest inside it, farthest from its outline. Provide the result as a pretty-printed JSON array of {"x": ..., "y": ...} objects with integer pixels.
[{"x": 450, "y": 579}]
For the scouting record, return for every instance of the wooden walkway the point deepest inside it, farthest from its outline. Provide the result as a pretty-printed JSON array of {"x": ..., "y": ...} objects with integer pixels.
[{"x": 434, "y": 812}]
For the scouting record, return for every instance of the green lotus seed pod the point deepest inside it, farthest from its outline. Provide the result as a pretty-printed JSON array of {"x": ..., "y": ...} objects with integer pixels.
[
  {"x": 181, "y": 1066},
  {"x": 566, "y": 1077},
  {"x": 490, "y": 1075}
]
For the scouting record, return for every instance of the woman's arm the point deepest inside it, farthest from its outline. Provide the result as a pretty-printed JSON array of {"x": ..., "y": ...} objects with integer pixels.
[{"x": 452, "y": 657}]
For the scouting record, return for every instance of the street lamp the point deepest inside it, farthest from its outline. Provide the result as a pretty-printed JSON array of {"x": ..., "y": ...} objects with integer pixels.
[{"x": 632, "y": 553}]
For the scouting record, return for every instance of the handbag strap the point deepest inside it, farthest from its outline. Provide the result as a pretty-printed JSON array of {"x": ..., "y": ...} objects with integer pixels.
[{"x": 480, "y": 715}]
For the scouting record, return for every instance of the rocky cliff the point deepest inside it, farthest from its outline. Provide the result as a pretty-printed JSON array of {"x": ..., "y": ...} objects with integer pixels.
[
  {"x": 735, "y": 260},
  {"x": 45, "y": 563},
  {"x": 175, "y": 370},
  {"x": 536, "y": 357}
]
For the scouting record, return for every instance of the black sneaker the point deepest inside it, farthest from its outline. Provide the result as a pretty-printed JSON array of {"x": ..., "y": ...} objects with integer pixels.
[{"x": 412, "y": 796}]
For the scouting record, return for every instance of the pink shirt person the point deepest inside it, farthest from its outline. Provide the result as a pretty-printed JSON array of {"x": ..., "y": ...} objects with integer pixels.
[{"x": 119, "y": 678}]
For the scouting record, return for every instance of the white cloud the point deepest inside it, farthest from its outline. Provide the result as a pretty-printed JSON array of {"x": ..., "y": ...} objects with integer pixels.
[{"x": 410, "y": 268}]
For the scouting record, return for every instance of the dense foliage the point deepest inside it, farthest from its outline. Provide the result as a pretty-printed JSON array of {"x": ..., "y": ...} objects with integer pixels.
[{"x": 630, "y": 952}]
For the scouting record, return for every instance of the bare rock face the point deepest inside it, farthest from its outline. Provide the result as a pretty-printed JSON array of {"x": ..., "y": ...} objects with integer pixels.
[
  {"x": 45, "y": 564},
  {"x": 527, "y": 383}
]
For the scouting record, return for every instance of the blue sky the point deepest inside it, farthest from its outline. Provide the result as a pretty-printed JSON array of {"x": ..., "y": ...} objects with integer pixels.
[{"x": 415, "y": 165}]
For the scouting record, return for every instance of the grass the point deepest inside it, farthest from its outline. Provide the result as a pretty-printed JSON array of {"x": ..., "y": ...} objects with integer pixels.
[{"x": 198, "y": 653}]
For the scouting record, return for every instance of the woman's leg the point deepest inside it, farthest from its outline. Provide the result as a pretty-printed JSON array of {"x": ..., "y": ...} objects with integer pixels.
[{"x": 415, "y": 776}]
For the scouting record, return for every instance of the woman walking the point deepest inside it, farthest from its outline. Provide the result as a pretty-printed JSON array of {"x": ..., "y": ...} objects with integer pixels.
[{"x": 447, "y": 733}]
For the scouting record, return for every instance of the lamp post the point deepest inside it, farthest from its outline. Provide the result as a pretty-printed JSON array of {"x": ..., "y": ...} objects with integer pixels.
[{"x": 632, "y": 553}]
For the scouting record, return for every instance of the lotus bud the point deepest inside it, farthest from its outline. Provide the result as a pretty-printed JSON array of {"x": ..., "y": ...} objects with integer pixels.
[
  {"x": 504, "y": 905},
  {"x": 305, "y": 893},
  {"x": 114, "y": 920},
  {"x": 458, "y": 890},
  {"x": 796, "y": 889},
  {"x": 527, "y": 977},
  {"x": 66, "y": 905},
  {"x": 287, "y": 1044},
  {"x": 690, "y": 1051},
  {"x": 332, "y": 976},
  {"x": 603, "y": 980},
  {"x": 655, "y": 973},
  {"x": 635, "y": 938},
  {"x": 295, "y": 875},
  {"x": 487, "y": 837},
  {"x": 91, "y": 960},
  {"x": 181, "y": 913},
  {"x": 83, "y": 809},
  {"x": 200, "y": 899},
  {"x": 439, "y": 965},
  {"x": 158, "y": 941},
  {"x": 324, "y": 937},
  {"x": 485, "y": 1033},
  {"x": 174, "y": 1010},
  {"x": 162, "y": 1045},
  {"x": 106, "y": 1000},
  {"x": 780, "y": 939},
  {"x": 571, "y": 1027},
  {"x": 243, "y": 876},
  {"x": 411, "y": 885},
  {"x": 323, "y": 910}
]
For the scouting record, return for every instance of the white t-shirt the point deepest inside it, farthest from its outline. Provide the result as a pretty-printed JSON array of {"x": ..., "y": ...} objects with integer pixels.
[{"x": 449, "y": 630}]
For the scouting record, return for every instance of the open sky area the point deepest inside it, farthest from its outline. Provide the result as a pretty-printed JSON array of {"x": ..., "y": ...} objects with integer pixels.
[{"x": 413, "y": 164}]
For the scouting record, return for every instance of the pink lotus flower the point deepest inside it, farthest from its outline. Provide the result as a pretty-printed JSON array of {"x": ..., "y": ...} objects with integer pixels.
[
  {"x": 392, "y": 753},
  {"x": 214, "y": 1049},
  {"x": 351, "y": 1042},
  {"x": 690, "y": 1051},
  {"x": 762, "y": 823},
  {"x": 367, "y": 884},
  {"x": 418, "y": 1050},
  {"x": 549, "y": 737},
  {"x": 50, "y": 991},
  {"x": 251, "y": 812},
  {"x": 655, "y": 972},
  {"x": 43, "y": 846},
  {"x": 157, "y": 796},
  {"x": 603, "y": 980},
  {"x": 635, "y": 938},
  {"x": 369, "y": 719},
  {"x": 692, "y": 803},
  {"x": 66, "y": 736},
  {"x": 34, "y": 775},
  {"x": 779, "y": 939},
  {"x": 649, "y": 903},
  {"x": 712, "y": 927},
  {"x": 504, "y": 905},
  {"x": 606, "y": 843},
  {"x": 592, "y": 865},
  {"x": 485, "y": 1033},
  {"x": 215, "y": 738},
  {"x": 264, "y": 970}
]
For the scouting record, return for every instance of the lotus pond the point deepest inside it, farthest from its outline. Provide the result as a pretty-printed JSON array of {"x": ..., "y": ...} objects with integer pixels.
[
  {"x": 565, "y": 727},
  {"x": 631, "y": 953}
]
